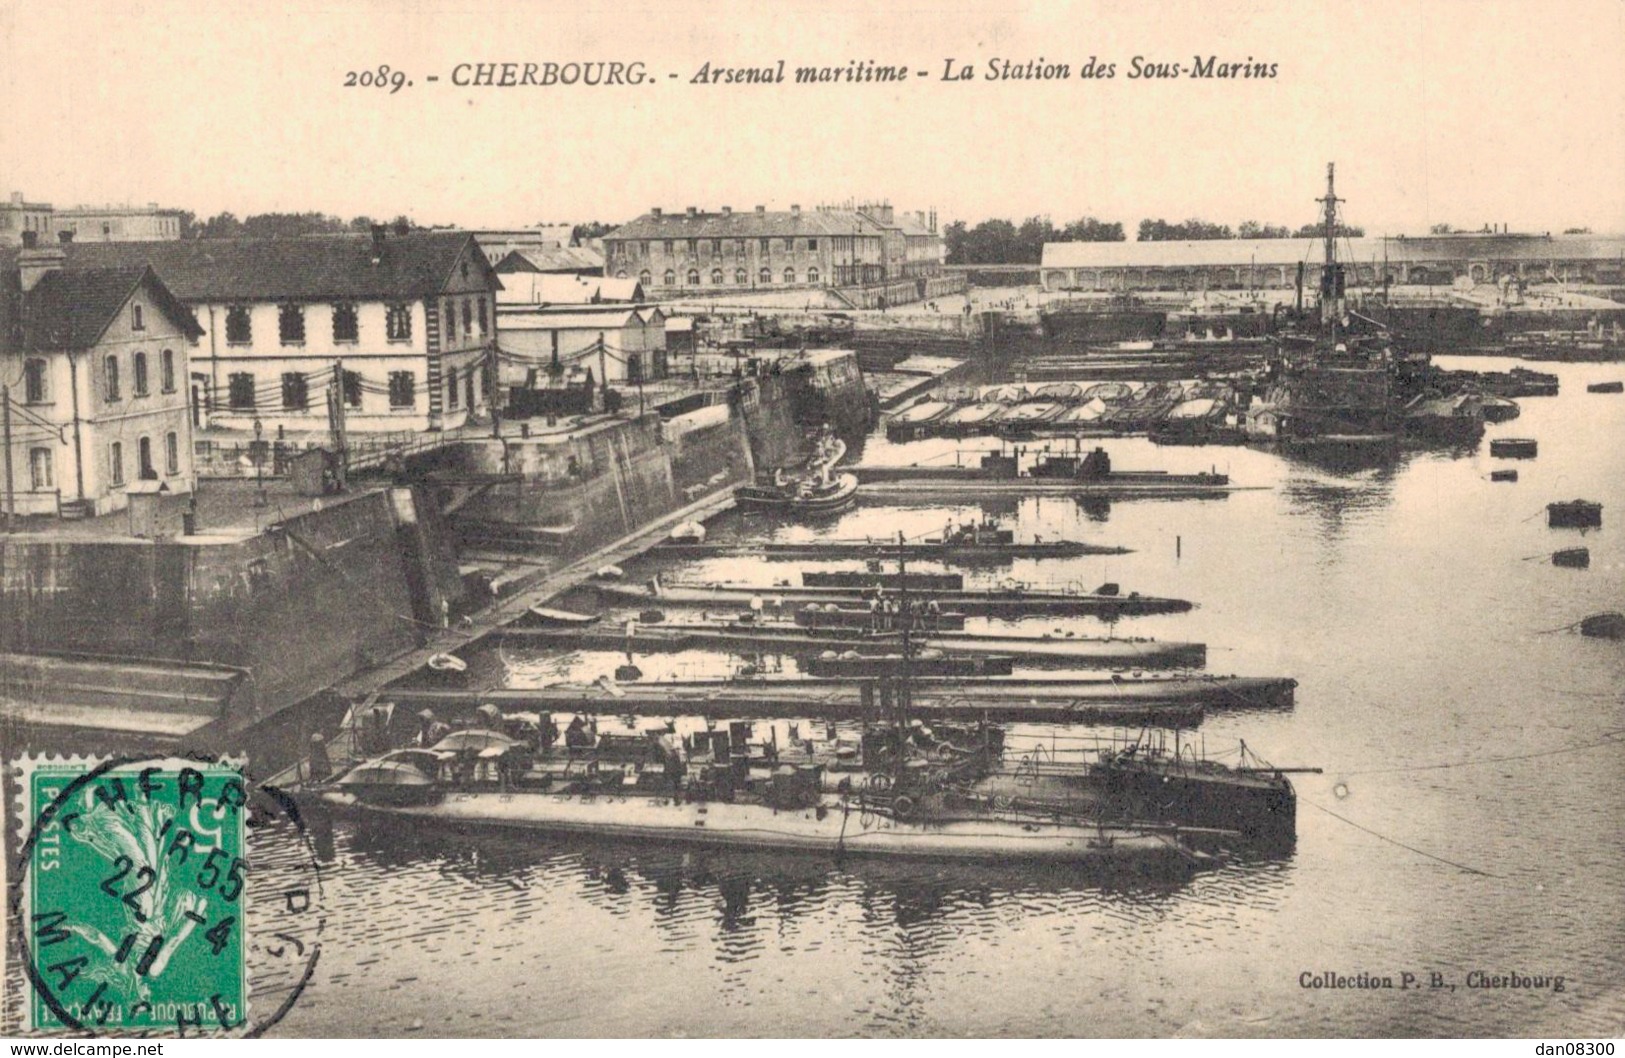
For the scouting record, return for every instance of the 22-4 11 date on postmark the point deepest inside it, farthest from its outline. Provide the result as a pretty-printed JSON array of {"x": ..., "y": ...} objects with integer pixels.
[{"x": 129, "y": 908}]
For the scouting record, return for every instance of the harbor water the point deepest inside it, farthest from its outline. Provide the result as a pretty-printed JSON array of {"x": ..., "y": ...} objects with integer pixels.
[{"x": 1470, "y": 818}]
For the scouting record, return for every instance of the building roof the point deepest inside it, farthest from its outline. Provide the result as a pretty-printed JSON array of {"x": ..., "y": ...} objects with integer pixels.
[
  {"x": 572, "y": 321},
  {"x": 72, "y": 309},
  {"x": 542, "y": 288},
  {"x": 765, "y": 224},
  {"x": 314, "y": 267},
  {"x": 1365, "y": 251},
  {"x": 554, "y": 259}
]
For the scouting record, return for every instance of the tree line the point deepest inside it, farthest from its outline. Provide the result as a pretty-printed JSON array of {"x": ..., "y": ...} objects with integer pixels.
[
  {"x": 227, "y": 225},
  {"x": 1000, "y": 241}
]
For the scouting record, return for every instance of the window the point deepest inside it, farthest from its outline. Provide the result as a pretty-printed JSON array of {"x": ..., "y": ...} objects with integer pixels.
[
  {"x": 716, "y": 277},
  {"x": 463, "y": 269},
  {"x": 668, "y": 246},
  {"x": 398, "y": 323},
  {"x": 36, "y": 381},
  {"x": 716, "y": 246},
  {"x": 136, "y": 323},
  {"x": 143, "y": 460},
  {"x": 790, "y": 276},
  {"x": 765, "y": 277},
  {"x": 172, "y": 452},
  {"x": 740, "y": 277},
  {"x": 451, "y": 322},
  {"x": 645, "y": 278},
  {"x": 140, "y": 387},
  {"x": 693, "y": 246},
  {"x": 812, "y": 244},
  {"x": 352, "y": 389},
  {"x": 693, "y": 277},
  {"x": 484, "y": 317},
  {"x": 110, "y": 366},
  {"x": 295, "y": 391},
  {"x": 402, "y": 389},
  {"x": 241, "y": 394},
  {"x": 166, "y": 370},
  {"x": 468, "y": 318},
  {"x": 618, "y": 275},
  {"x": 115, "y": 463},
  {"x": 671, "y": 278},
  {"x": 290, "y": 324},
  {"x": 40, "y": 470},
  {"x": 346, "y": 323},
  {"x": 451, "y": 389},
  {"x": 812, "y": 275},
  {"x": 739, "y": 247},
  {"x": 239, "y": 328},
  {"x": 646, "y": 247},
  {"x": 763, "y": 246},
  {"x": 789, "y": 244}
]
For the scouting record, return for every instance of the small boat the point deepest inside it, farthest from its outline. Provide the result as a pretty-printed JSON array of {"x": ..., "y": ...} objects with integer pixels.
[
  {"x": 972, "y": 417},
  {"x": 447, "y": 663},
  {"x": 833, "y": 615},
  {"x": 922, "y": 412},
  {"x": 1604, "y": 626},
  {"x": 805, "y": 497},
  {"x": 1606, "y": 387},
  {"x": 1574, "y": 514},
  {"x": 1499, "y": 409},
  {"x": 1572, "y": 558},
  {"x": 689, "y": 533},
  {"x": 1513, "y": 447},
  {"x": 1503, "y": 475},
  {"x": 545, "y": 615}
]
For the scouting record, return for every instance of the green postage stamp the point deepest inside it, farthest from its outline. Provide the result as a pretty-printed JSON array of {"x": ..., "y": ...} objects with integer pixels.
[{"x": 128, "y": 902}]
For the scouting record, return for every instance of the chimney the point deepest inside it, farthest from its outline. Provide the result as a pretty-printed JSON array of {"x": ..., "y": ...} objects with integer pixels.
[
  {"x": 16, "y": 198},
  {"x": 692, "y": 212},
  {"x": 34, "y": 261},
  {"x": 655, "y": 212},
  {"x": 64, "y": 236},
  {"x": 761, "y": 209},
  {"x": 933, "y": 220},
  {"x": 795, "y": 211},
  {"x": 379, "y": 233},
  {"x": 727, "y": 211}
]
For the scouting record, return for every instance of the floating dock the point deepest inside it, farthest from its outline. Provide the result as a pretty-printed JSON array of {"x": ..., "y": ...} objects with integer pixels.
[
  {"x": 1165, "y": 700},
  {"x": 784, "y": 638},
  {"x": 964, "y": 553},
  {"x": 1002, "y": 603}
]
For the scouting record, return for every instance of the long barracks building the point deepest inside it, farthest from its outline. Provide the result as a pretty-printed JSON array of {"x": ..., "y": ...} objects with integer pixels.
[
  {"x": 692, "y": 252},
  {"x": 1239, "y": 264}
]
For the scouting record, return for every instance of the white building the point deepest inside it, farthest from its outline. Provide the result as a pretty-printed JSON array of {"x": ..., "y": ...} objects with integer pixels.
[
  {"x": 100, "y": 404},
  {"x": 410, "y": 320}
]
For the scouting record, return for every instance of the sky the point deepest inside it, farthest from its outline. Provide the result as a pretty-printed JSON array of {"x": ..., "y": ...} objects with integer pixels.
[{"x": 1464, "y": 112}]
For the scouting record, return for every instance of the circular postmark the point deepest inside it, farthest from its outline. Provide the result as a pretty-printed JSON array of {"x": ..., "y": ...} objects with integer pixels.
[{"x": 135, "y": 907}]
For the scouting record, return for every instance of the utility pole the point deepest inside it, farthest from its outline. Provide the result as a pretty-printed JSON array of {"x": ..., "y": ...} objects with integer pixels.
[
  {"x": 341, "y": 446},
  {"x": 495, "y": 393},
  {"x": 5, "y": 439},
  {"x": 603, "y": 369}
]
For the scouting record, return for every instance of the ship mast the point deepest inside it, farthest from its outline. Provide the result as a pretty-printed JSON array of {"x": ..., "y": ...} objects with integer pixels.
[{"x": 1331, "y": 278}]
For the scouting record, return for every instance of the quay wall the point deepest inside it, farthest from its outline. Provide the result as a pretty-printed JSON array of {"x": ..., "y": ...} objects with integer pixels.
[
  {"x": 575, "y": 493},
  {"x": 296, "y": 607}
]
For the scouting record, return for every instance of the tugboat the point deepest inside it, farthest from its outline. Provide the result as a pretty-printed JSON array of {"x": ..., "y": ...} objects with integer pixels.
[{"x": 817, "y": 491}]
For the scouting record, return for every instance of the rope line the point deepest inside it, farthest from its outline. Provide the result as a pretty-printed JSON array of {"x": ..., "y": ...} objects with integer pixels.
[
  {"x": 1615, "y": 737},
  {"x": 1401, "y": 844}
]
